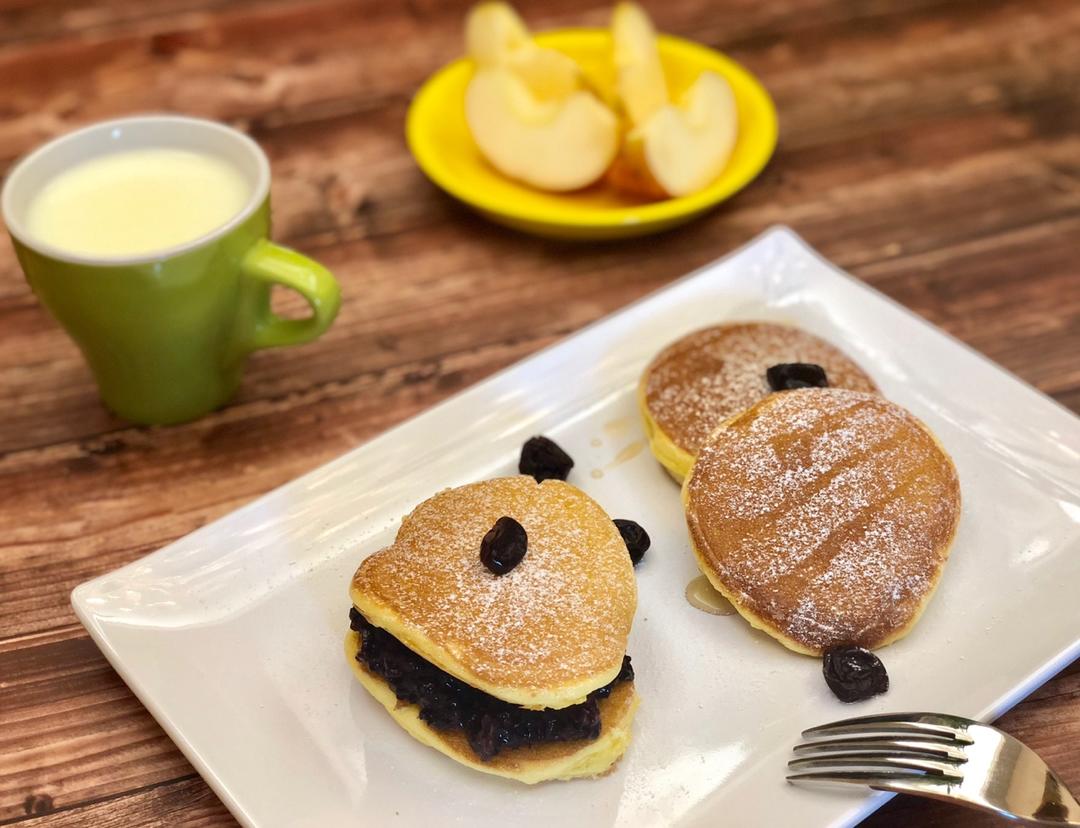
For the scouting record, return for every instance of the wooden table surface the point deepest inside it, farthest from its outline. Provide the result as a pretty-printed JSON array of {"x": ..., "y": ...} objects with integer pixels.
[{"x": 931, "y": 148}]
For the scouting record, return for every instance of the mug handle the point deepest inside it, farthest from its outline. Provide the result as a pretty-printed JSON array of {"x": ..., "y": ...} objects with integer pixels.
[{"x": 279, "y": 265}]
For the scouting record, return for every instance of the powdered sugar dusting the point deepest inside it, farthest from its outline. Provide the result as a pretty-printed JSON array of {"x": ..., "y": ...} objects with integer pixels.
[
  {"x": 560, "y": 616},
  {"x": 829, "y": 511},
  {"x": 707, "y": 376}
]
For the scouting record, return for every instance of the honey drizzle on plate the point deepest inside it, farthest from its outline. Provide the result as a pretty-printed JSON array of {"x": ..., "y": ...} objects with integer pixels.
[
  {"x": 701, "y": 595},
  {"x": 618, "y": 426},
  {"x": 628, "y": 452}
]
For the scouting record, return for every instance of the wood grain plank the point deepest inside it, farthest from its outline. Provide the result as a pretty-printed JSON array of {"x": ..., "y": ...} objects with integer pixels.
[
  {"x": 180, "y": 803},
  {"x": 280, "y": 63},
  {"x": 70, "y": 730},
  {"x": 26, "y": 21}
]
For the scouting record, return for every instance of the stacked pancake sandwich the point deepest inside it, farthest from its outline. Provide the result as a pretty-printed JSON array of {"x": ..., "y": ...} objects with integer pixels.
[
  {"x": 824, "y": 516},
  {"x": 494, "y": 629},
  {"x": 700, "y": 380}
]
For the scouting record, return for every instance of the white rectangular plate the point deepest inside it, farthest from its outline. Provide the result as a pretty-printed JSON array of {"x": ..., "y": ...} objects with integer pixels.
[{"x": 232, "y": 636}]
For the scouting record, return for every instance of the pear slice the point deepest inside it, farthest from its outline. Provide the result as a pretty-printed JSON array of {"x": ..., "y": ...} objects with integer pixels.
[
  {"x": 493, "y": 31},
  {"x": 556, "y": 145},
  {"x": 495, "y": 36},
  {"x": 640, "y": 82},
  {"x": 685, "y": 147},
  {"x": 671, "y": 149}
]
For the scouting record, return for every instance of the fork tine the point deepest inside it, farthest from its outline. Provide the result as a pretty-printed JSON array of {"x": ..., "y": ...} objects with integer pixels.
[
  {"x": 875, "y": 745},
  {"x": 860, "y": 762},
  {"x": 913, "y": 783},
  {"x": 932, "y": 722},
  {"x": 885, "y": 725}
]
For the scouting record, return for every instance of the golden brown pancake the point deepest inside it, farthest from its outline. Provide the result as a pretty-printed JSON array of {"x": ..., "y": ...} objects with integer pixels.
[
  {"x": 825, "y": 516},
  {"x": 544, "y": 635},
  {"x": 699, "y": 381}
]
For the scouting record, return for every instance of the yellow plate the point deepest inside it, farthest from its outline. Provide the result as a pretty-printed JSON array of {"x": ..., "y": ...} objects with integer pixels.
[{"x": 440, "y": 141}]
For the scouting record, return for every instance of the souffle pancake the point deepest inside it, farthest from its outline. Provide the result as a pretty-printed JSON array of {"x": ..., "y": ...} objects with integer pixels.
[
  {"x": 824, "y": 516},
  {"x": 494, "y": 629},
  {"x": 700, "y": 380}
]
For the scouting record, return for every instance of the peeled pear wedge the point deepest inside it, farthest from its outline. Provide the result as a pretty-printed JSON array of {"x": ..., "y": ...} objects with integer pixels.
[
  {"x": 495, "y": 36},
  {"x": 557, "y": 145},
  {"x": 528, "y": 109},
  {"x": 639, "y": 75},
  {"x": 682, "y": 148},
  {"x": 670, "y": 148}
]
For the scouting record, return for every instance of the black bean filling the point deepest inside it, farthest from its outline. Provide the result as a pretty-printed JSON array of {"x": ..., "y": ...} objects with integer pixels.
[{"x": 447, "y": 703}]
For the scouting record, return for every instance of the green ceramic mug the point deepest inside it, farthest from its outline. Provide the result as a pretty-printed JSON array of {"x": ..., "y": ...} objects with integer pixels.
[{"x": 167, "y": 334}]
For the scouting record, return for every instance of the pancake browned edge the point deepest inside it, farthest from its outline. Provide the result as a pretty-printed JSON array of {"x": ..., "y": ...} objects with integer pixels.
[
  {"x": 824, "y": 516},
  {"x": 701, "y": 379},
  {"x": 543, "y": 636}
]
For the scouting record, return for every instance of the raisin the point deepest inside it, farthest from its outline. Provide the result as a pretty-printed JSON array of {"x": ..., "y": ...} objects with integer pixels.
[
  {"x": 789, "y": 375},
  {"x": 504, "y": 545},
  {"x": 636, "y": 539},
  {"x": 853, "y": 673},
  {"x": 486, "y": 736},
  {"x": 584, "y": 718},
  {"x": 626, "y": 673},
  {"x": 356, "y": 620},
  {"x": 544, "y": 460}
]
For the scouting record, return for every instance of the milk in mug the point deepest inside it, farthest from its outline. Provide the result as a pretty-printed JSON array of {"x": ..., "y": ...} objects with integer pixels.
[{"x": 136, "y": 202}]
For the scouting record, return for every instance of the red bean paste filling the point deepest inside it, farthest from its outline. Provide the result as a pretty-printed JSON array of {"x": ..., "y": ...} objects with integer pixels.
[{"x": 447, "y": 703}]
